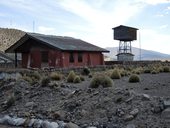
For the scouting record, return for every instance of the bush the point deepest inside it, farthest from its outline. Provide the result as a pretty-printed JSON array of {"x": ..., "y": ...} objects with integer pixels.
[
  {"x": 77, "y": 79},
  {"x": 71, "y": 76},
  {"x": 166, "y": 69},
  {"x": 115, "y": 74},
  {"x": 154, "y": 72},
  {"x": 103, "y": 80},
  {"x": 86, "y": 71},
  {"x": 147, "y": 70},
  {"x": 45, "y": 81},
  {"x": 27, "y": 78},
  {"x": 35, "y": 75},
  {"x": 55, "y": 76},
  {"x": 82, "y": 78},
  {"x": 123, "y": 73},
  {"x": 134, "y": 78},
  {"x": 90, "y": 75}
]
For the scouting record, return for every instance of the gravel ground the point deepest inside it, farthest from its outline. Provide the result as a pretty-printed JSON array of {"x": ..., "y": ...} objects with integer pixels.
[{"x": 101, "y": 107}]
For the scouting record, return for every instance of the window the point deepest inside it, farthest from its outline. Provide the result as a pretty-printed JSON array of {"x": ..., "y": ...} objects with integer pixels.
[
  {"x": 44, "y": 56},
  {"x": 80, "y": 57},
  {"x": 71, "y": 58}
]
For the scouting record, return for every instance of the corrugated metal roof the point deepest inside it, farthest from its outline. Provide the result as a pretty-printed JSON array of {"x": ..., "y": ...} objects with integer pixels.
[{"x": 65, "y": 43}]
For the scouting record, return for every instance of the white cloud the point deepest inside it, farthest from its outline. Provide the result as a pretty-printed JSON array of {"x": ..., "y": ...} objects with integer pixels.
[
  {"x": 168, "y": 8},
  {"x": 163, "y": 26},
  {"x": 153, "y": 40},
  {"x": 154, "y": 2}
]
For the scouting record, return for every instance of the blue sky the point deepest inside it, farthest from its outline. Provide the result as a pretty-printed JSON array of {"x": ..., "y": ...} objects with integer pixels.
[{"x": 92, "y": 20}]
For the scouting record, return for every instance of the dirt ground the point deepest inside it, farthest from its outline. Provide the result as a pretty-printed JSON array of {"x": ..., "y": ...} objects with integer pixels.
[{"x": 84, "y": 106}]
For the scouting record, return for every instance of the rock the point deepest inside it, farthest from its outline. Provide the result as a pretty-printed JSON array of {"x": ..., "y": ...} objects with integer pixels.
[
  {"x": 18, "y": 121},
  {"x": 156, "y": 109},
  {"x": 59, "y": 115},
  {"x": 31, "y": 122},
  {"x": 146, "y": 97},
  {"x": 129, "y": 99},
  {"x": 61, "y": 124},
  {"x": 37, "y": 123},
  {"x": 120, "y": 112},
  {"x": 30, "y": 104},
  {"x": 91, "y": 127},
  {"x": 5, "y": 119},
  {"x": 54, "y": 125},
  {"x": 128, "y": 117},
  {"x": 166, "y": 114},
  {"x": 118, "y": 99},
  {"x": 71, "y": 125},
  {"x": 166, "y": 103},
  {"x": 130, "y": 126},
  {"x": 46, "y": 124},
  {"x": 134, "y": 112}
]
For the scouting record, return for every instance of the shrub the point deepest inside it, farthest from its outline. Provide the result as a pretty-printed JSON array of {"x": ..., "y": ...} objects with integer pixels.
[
  {"x": 82, "y": 78},
  {"x": 160, "y": 69},
  {"x": 45, "y": 81},
  {"x": 77, "y": 79},
  {"x": 147, "y": 70},
  {"x": 27, "y": 78},
  {"x": 86, "y": 71},
  {"x": 90, "y": 75},
  {"x": 115, "y": 74},
  {"x": 55, "y": 76},
  {"x": 123, "y": 72},
  {"x": 71, "y": 76},
  {"x": 154, "y": 72},
  {"x": 166, "y": 69},
  {"x": 134, "y": 78},
  {"x": 103, "y": 80},
  {"x": 35, "y": 75}
]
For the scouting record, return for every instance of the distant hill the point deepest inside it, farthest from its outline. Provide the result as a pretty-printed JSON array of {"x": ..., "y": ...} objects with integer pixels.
[
  {"x": 8, "y": 37},
  {"x": 145, "y": 54}
]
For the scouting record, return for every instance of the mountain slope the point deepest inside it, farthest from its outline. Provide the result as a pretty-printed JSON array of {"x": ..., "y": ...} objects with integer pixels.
[
  {"x": 8, "y": 37},
  {"x": 145, "y": 54}
]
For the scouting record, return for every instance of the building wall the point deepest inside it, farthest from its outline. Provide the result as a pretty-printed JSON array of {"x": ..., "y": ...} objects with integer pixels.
[
  {"x": 89, "y": 59},
  {"x": 58, "y": 58}
]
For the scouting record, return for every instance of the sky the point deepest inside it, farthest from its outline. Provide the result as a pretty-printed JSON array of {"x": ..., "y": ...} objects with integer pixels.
[{"x": 92, "y": 20}]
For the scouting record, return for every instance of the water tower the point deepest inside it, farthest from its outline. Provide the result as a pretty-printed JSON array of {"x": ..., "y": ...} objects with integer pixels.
[{"x": 125, "y": 35}]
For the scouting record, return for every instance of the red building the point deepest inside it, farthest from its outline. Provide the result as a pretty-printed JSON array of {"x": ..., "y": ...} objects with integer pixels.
[{"x": 40, "y": 51}]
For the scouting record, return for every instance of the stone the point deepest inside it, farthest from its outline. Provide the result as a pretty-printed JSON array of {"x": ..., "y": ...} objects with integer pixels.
[
  {"x": 91, "y": 127},
  {"x": 134, "y": 112},
  {"x": 31, "y": 122},
  {"x": 46, "y": 124},
  {"x": 18, "y": 121},
  {"x": 30, "y": 104},
  {"x": 59, "y": 115},
  {"x": 61, "y": 124},
  {"x": 5, "y": 119},
  {"x": 128, "y": 117},
  {"x": 54, "y": 125},
  {"x": 130, "y": 126},
  {"x": 37, "y": 123},
  {"x": 71, "y": 125},
  {"x": 166, "y": 114},
  {"x": 166, "y": 103},
  {"x": 146, "y": 97},
  {"x": 120, "y": 112}
]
